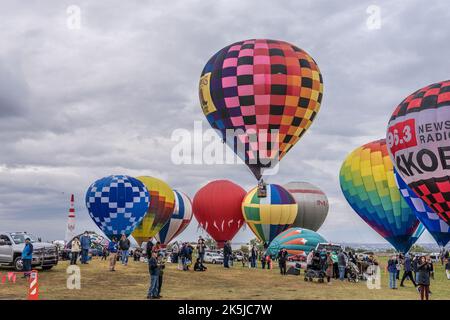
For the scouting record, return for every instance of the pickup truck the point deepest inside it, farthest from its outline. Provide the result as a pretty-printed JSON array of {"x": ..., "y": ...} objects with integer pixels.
[{"x": 45, "y": 255}]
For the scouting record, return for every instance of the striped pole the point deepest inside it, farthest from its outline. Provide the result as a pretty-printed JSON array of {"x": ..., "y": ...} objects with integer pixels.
[{"x": 33, "y": 291}]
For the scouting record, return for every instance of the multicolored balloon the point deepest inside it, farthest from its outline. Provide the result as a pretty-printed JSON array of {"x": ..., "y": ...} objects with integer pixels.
[
  {"x": 256, "y": 87},
  {"x": 437, "y": 227},
  {"x": 217, "y": 208},
  {"x": 295, "y": 241},
  {"x": 368, "y": 183},
  {"x": 312, "y": 205},
  {"x": 162, "y": 203},
  {"x": 269, "y": 216},
  {"x": 180, "y": 219},
  {"x": 117, "y": 204},
  {"x": 418, "y": 138}
]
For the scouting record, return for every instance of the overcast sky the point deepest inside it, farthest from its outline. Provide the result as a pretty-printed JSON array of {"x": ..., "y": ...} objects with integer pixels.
[{"x": 80, "y": 104}]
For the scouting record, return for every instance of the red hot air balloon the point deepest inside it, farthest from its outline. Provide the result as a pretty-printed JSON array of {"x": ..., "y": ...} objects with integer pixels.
[{"x": 217, "y": 208}]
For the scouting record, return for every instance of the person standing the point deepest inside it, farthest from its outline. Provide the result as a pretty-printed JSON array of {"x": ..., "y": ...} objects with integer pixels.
[
  {"x": 201, "y": 248},
  {"x": 342, "y": 265},
  {"x": 423, "y": 277},
  {"x": 262, "y": 258},
  {"x": 124, "y": 246},
  {"x": 27, "y": 256},
  {"x": 85, "y": 241},
  {"x": 112, "y": 249},
  {"x": 407, "y": 271},
  {"x": 329, "y": 269},
  {"x": 104, "y": 253},
  {"x": 75, "y": 250},
  {"x": 335, "y": 264},
  {"x": 253, "y": 257},
  {"x": 447, "y": 268},
  {"x": 161, "y": 266},
  {"x": 175, "y": 252},
  {"x": 282, "y": 258},
  {"x": 154, "y": 276},
  {"x": 392, "y": 270},
  {"x": 227, "y": 252}
]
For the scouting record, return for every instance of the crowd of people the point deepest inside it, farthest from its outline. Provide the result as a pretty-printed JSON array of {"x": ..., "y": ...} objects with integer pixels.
[{"x": 329, "y": 264}]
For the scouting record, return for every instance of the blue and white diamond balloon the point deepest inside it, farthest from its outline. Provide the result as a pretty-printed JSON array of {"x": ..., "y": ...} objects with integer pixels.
[{"x": 117, "y": 204}]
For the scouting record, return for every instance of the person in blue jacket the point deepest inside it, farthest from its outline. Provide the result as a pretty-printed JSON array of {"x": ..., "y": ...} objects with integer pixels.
[
  {"x": 392, "y": 269},
  {"x": 407, "y": 273},
  {"x": 154, "y": 277},
  {"x": 113, "y": 247},
  {"x": 85, "y": 241},
  {"x": 27, "y": 256}
]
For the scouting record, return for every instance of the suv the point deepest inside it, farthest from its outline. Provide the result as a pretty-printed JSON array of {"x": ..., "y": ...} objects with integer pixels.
[
  {"x": 45, "y": 255},
  {"x": 213, "y": 257}
]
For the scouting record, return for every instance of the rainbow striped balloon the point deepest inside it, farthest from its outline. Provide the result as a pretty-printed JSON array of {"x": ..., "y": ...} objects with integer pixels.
[
  {"x": 269, "y": 216},
  {"x": 368, "y": 183}
]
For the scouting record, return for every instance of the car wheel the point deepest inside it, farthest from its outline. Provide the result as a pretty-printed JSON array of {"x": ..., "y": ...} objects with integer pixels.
[
  {"x": 47, "y": 267},
  {"x": 18, "y": 264},
  {"x": 306, "y": 279}
]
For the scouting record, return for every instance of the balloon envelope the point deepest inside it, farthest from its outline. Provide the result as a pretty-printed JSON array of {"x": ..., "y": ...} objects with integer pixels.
[
  {"x": 117, "y": 204},
  {"x": 217, "y": 208},
  {"x": 295, "y": 241},
  {"x": 367, "y": 182},
  {"x": 437, "y": 227},
  {"x": 180, "y": 219},
  {"x": 162, "y": 203},
  {"x": 312, "y": 205},
  {"x": 418, "y": 138},
  {"x": 257, "y": 86},
  {"x": 269, "y": 216}
]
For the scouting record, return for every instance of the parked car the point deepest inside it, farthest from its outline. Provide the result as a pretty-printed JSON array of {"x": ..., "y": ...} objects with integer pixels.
[
  {"x": 297, "y": 258},
  {"x": 213, "y": 257},
  {"x": 45, "y": 255},
  {"x": 332, "y": 247}
]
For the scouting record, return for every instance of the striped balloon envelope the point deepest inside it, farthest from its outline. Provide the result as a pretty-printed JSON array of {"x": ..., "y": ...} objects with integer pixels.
[
  {"x": 295, "y": 241},
  {"x": 269, "y": 216},
  {"x": 368, "y": 183},
  {"x": 162, "y": 203},
  {"x": 180, "y": 219},
  {"x": 312, "y": 205},
  {"x": 436, "y": 226}
]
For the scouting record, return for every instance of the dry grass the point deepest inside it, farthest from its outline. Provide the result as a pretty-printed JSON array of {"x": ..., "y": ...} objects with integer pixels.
[{"x": 131, "y": 282}]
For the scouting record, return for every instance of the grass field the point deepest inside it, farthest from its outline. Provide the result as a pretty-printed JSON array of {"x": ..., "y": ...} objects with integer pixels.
[{"x": 131, "y": 282}]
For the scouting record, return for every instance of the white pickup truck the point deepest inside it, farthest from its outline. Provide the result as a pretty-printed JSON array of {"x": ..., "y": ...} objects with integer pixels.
[{"x": 45, "y": 255}]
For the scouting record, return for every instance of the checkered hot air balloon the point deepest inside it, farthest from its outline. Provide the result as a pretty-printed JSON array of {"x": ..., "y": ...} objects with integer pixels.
[
  {"x": 180, "y": 219},
  {"x": 437, "y": 227},
  {"x": 256, "y": 87},
  {"x": 160, "y": 209},
  {"x": 117, "y": 204},
  {"x": 418, "y": 138},
  {"x": 367, "y": 182},
  {"x": 295, "y": 241},
  {"x": 269, "y": 216}
]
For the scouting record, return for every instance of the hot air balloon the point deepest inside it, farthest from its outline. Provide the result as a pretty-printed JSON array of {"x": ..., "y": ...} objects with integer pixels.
[
  {"x": 117, "y": 204},
  {"x": 162, "y": 203},
  {"x": 295, "y": 241},
  {"x": 438, "y": 229},
  {"x": 269, "y": 216},
  {"x": 267, "y": 92},
  {"x": 217, "y": 208},
  {"x": 312, "y": 205},
  {"x": 368, "y": 183},
  {"x": 418, "y": 138},
  {"x": 181, "y": 216}
]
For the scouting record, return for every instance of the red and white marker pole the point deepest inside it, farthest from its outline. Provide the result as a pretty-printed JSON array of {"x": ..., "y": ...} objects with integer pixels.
[{"x": 33, "y": 291}]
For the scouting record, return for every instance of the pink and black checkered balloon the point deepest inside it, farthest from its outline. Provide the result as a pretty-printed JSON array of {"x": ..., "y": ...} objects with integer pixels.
[{"x": 268, "y": 90}]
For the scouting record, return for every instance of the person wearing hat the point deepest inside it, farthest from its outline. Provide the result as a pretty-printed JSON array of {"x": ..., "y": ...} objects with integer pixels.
[{"x": 27, "y": 256}]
